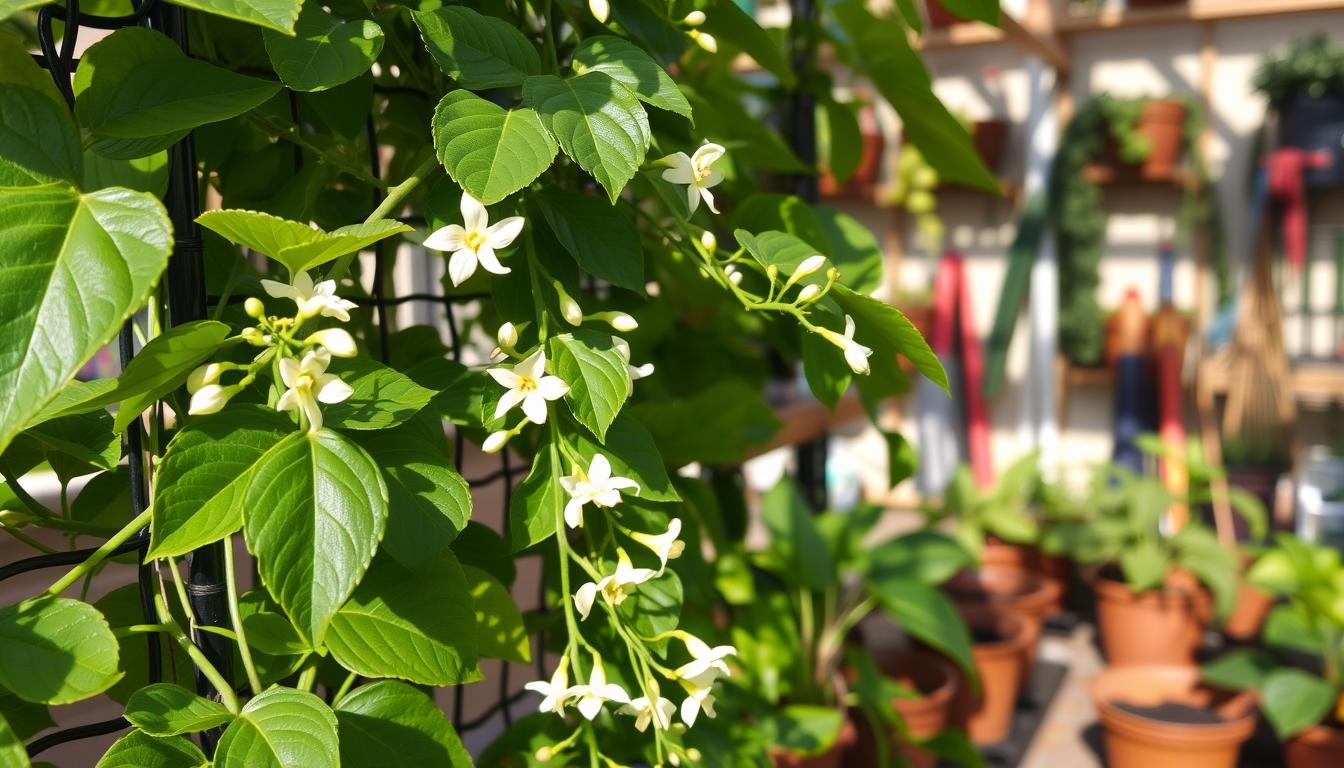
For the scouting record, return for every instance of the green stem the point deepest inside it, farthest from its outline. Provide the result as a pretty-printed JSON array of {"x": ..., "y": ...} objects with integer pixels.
[
  {"x": 394, "y": 197},
  {"x": 226, "y": 694},
  {"x": 180, "y": 589},
  {"x": 26, "y": 539},
  {"x": 101, "y": 553},
  {"x": 140, "y": 628},
  {"x": 20, "y": 493},
  {"x": 566, "y": 597},
  {"x": 345, "y": 686},
  {"x": 307, "y": 677},
  {"x": 231, "y": 586},
  {"x": 548, "y": 37}
]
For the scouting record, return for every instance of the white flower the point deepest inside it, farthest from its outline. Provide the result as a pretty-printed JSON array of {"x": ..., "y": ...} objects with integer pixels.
[
  {"x": 636, "y": 371},
  {"x": 308, "y": 384},
  {"x": 596, "y": 485},
  {"x": 337, "y": 341},
  {"x": 555, "y": 693},
  {"x": 696, "y": 172},
  {"x": 808, "y": 266},
  {"x": 704, "y": 40},
  {"x": 319, "y": 299},
  {"x": 592, "y": 696},
  {"x": 507, "y": 336},
  {"x": 703, "y": 658},
  {"x": 614, "y": 588},
  {"x": 528, "y": 384},
  {"x": 202, "y": 375},
  {"x": 475, "y": 242},
  {"x": 600, "y": 10},
  {"x": 856, "y": 354},
  {"x": 699, "y": 696},
  {"x": 694, "y": 19},
  {"x": 570, "y": 310},
  {"x": 623, "y": 322},
  {"x": 496, "y": 441},
  {"x": 665, "y": 545},
  {"x": 657, "y": 712},
  {"x": 734, "y": 274},
  {"x": 809, "y": 293},
  {"x": 210, "y": 398}
]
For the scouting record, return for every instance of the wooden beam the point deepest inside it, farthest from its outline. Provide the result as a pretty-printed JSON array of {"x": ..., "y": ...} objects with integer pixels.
[
  {"x": 1037, "y": 43},
  {"x": 1193, "y": 11}
]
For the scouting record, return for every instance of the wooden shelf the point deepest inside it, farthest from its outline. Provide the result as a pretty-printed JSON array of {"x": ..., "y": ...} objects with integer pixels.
[
  {"x": 1109, "y": 175},
  {"x": 804, "y": 419},
  {"x": 1188, "y": 12}
]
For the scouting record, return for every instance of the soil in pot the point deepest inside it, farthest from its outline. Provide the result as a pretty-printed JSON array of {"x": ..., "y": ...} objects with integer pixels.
[
  {"x": 1163, "y": 717},
  {"x": 935, "y": 680},
  {"x": 1006, "y": 590},
  {"x": 831, "y": 758},
  {"x": 1320, "y": 746},
  {"x": 1160, "y": 626},
  {"x": 999, "y": 643}
]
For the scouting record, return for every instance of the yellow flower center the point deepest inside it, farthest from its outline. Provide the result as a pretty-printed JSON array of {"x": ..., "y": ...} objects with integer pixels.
[
  {"x": 474, "y": 239},
  {"x": 304, "y": 382},
  {"x": 527, "y": 384}
]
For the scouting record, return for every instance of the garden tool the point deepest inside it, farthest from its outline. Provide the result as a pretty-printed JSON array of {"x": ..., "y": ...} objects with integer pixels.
[
  {"x": 1285, "y": 168},
  {"x": 1126, "y": 342},
  {"x": 1170, "y": 332}
]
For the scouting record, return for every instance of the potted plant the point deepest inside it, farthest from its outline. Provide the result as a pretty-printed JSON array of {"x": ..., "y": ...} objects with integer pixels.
[
  {"x": 1300, "y": 677},
  {"x": 914, "y": 188},
  {"x": 1305, "y": 85}
]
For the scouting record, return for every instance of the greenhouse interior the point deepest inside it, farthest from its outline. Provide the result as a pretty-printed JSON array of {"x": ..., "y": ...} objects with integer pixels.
[{"x": 661, "y": 383}]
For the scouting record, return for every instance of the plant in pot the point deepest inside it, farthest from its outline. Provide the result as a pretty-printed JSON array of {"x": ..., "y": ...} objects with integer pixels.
[
  {"x": 1300, "y": 675},
  {"x": 794, "y": 620},
  {"x": 915, "y": 187},
  {"x": 1305, "y": 85}
]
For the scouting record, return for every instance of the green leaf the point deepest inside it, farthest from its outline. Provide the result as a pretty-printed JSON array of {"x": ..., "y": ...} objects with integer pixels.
[
  {"x": 54, "y": 650},
  {"x": 73, "y": 398},
  {"x": 536, "y": 502},
  {"x": 314, "y": 514},
  {"x": 928, "y": 557},
  {"x": 728, "y": 23},
  {"x": 161, "y": 367},
  {"x": 974, "y": 10},
  {"x": 1145, "y": 566},
  {"x": 478, "y": 51},
  {"x": 39, "y": 143},
  {"x": 655, "y": 607},
  {"x": 1239, "y": 670},
  {"x": 138, "y": 749},
  {"x": 828, "y": 375},
  {"x": 122, "y": 608},
  {"x": 279, "y": 15},
  {"x": 883, "y": 327},
  {"x": 428, "y": 501},
  {"x": 781, "y": 250},
  {"x": 73, "y": 445},
  {"x": 142, "y": 174},
  {"x": 717, "y": 425},
  {"x": 414, "y": 625},
  {"x": 500, "y": 633},
  {"x": 392, "y": 718},
  {"x": 902, "y": 459},
  {"x": 164, "y": 709},
  {"x": 489, "y": 151},
  {"x": 12, "y": 753},
  {"x": 899, "y": 75},
  {"x": 925, "y": 614},
  {"x": 848, "y": 243},
  {"x": 324, "y": 51},
  {"x": 25, "y": 718},
  {"x": 382, "y": 397},
  {"x": 601, "y": 239},
  {"x": 802, "y": 729},
  {"x": 598, "y": 123},
  {"x": 846, "y": 140},
  {"x": 138, "y": 93},
  {"x": 1293, "y": 700},
  {"x": 281, "y": 728},
  {"x": 598, "y": 376},
  {"x": 76, "y": 266},
  {"x": 204, "y": 477},
  {"x": 296, "y": 245},
  {"x": 633, "y": 454},
  {"x": 11, "y": 7},
  {"x": 796, "y": 538},
  {"x": 630, "y": 66}
]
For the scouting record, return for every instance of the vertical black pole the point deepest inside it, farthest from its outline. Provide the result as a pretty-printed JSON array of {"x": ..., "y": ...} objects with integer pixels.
[
  {"x": 802, "y": 130},
  {"x": 185, "y": 280}
]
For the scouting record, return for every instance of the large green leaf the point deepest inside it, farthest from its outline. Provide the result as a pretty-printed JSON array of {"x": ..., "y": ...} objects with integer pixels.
[
  {"x": 717, "y": 425},
  {"x": 76, "y": 266},
  {"x": 727, "y": 22},
  {"x": 313, "y": 515},
  {"x": 781, "y": 250},
  {"x": 382, "y": 397},
  {"x": 1239, "y": 670},
  {"x": 39, "y": 143},
  {"x": 138, "y": 93},
  {"x": 205, "y": 474},
  {"x": 630, "y": 66},
  {"x": 849, "y": 244},
  {"x": 279, "y": 15},
  {"x": 897, "y": 72},
  {"x": 10, "y": 7},
  {"x": 138, "y": 749},
  {"x": 536, "y": 502},
  {"x": 973, "y": 10},
  {"x": 925, "y": 614},
  {"x": 281, "y": 728},
  {"x": 324, "y": 51},
  {"x": 143, "y": 174},
  {"x": 294, "y": 244},
  {"x": 25, "y": 718},
  {"x": 478, "y": 51},
  {"x": 392, "y": 718},
  {"x": 883, "y": 327},
  {"x": 598, "y": 123},
  {"x": 74, "y": 445},
  {"x": 1294, "y": 700},
  {"x": 795, "y": 538},
  {"x": 161, "y": 367},
  {"x": 500, "y": 633},
  {"x": 491, "y": 152},
  {"x": 597, "y": 374},
  {"x": 122, "y": 608},
  {"x": 12, "y": 753},
  {"x": 414, "y": 625},
  {"x": 428, "y": 501},
  {"x": 928, "y": 557},
  {"x": 601, "y": 239},
  {"x": 164, "y": 709},
  {"x": 54, "y": 650}
]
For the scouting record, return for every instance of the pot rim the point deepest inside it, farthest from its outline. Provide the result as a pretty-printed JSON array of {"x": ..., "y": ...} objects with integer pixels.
[
  {"x": 1012, "y": 642},
  {"x": 1108, "y": 588},
  {"x": 1176, "y": 736},
  {"x": 1038, "y": 595},
  {"x": 940, "y": 696}
]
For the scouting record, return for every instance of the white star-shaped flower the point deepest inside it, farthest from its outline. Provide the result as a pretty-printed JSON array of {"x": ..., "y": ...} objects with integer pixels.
[
  {"x": 699, "y": 697},
  {"x": 309, "y": 384},
  {"x": 527, "y": 383},
  {"x": 614, "y": 588},
  {"x": 696, "y": 172},
  {"x": 665, "y": 545},
  {"x": 312, "y": 300},
  {"x": 598, "y": 691},
  {"x": 556, "y": 693},
  {"x": 636, "y": 371},
  {"x": 476, "y": 242},
  {"x": 596, "y": 486},
  {"x": 856, "y": 354},
  {"x": 658, "y": 712},
  {"x": 704, "y": 659}
]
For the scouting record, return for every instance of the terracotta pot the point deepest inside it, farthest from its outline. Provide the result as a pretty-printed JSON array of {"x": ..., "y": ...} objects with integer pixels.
[
  {"x": 1160, "y": 626},
  {"x": 1196, "y": 727},
  {"x": 1253, "y": 605},
  {"x": 1320, "y": 746},
  {"x": 1162, "y": 124},
  {"x": 831, "y": 758},
  {"x": 1057, "y": 570},
  {"x": 935, "y": 679},
  {"x": 991, "y": 139},
  {"x": 1015, "y": 591},
  {"x": 1004, "y": 555},
  {"x": 939, "y": 17},
  {"x": 999, "y": 653}
]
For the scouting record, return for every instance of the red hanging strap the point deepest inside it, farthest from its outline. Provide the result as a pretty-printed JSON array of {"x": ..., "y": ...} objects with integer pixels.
[{"x": 1285, "y": 167}]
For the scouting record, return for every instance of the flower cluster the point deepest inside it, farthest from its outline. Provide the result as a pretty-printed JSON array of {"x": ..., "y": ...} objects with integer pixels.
[{"x": 300, "y": 363}]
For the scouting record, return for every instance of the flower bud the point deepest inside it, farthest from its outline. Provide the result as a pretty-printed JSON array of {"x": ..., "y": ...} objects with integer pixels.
[
  {"x": 734, "y": 274},
  {"x": 202, "y": 375},
  {"x": 704, "y": 40},
  {"x": 253, "y": 307},
  {"x": 832, "y": 274},
  {"x": 693, "y": 754},
  {"x": 507, "y": 336},
  {"x": 210, "y": 398},
  {"x": 600, "y": 9},
  {"x": 496, "y": 441},
  {"x": 254, "y": 336},
  {"x": 810, "y": 265},
  {"x": 544, "y": 754},
  {"x": 772, "y": 273},
  {"x": 694, "y": 19},
  {"x": 623, "y": 322},
  {"x": 809, "y": 293},
  {"x": 709, "y": 241},
  {"x": 337, "y": 341}
]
